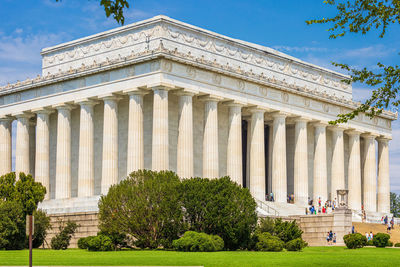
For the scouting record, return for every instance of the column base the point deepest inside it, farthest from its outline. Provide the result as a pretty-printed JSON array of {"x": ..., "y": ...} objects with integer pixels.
[{"x": 70, "y": 205}]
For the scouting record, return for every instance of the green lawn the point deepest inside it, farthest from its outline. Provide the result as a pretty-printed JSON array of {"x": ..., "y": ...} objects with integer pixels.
[{"x": 312, "y": 256}]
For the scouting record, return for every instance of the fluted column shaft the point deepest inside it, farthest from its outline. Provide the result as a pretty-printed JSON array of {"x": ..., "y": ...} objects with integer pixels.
[
  {"x": 301, "y": 163},
  {"x": 279, "y": 174},
  {"x": 383, "y": 176},
  {"x": 86, "y": 150},
  {"x": 369, "y": 173},
  {"x": 42, "y": 162},
  {"x": 63, "y": 160},
  {"x": 337, "y": 169},
  {"x": 320, "y": 164},
  {"x": 22, "y": 144},
  {"x": 110, "y": 144},
  {"x": 210, "y": 140},
  {"x": 354, "y": 180},
  {"x": 234, "y": 149},
  {"x": 135, "y": 154},
  {"x": 185, "y": 136},
  {"x": 257, "y": 155},
  {"x": 160, "y": 153},
  {"x": 5, "y": 146}
]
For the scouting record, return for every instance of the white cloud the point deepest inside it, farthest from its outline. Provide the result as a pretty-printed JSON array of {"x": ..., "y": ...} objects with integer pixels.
[{"x": 284, "y": 48}]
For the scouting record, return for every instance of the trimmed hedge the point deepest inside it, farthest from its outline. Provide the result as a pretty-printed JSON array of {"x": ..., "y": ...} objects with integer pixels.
[
  {"x": 369, "y": 243},
  {"x": 296, "y": 244},
  {"x": 198, "y": 242},
  {"x": 355, "y": 240},
  {"x": 381, "y": 240},
  {"x": 99, "y": 243},
  {"x": 268, "y": 242},
  {"x": 83, "y": 242},
  {"x": 397, "y": 245}
]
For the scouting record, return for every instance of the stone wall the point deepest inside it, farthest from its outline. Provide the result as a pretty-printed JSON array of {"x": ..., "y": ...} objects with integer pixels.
[{"x": 88, "y": 225}]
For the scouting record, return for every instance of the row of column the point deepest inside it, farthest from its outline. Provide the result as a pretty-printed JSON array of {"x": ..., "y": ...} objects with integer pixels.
[{"x": 160, "y": 154}]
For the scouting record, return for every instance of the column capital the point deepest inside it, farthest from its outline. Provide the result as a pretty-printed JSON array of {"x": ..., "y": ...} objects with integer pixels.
[
  {"x": 384, "y": 139},
  {"x": 136, "y": 91},
  {"x": 24, "y": 114},
  {"x": 86, "y": 102},
  {"x": 253, "y": 110},
  {"x": 278, "y": 114},
  {"x": 114, "y": 97},
  {"x": 234, "y": 103},
  {"x": 64, "y": 106},
  {"x": 320, "y": 124},
  {"x": 335, "y": 128},
  {"x": 161, "y": 86},
  {"x": 210, "y": 98},
  {"x": 186, "y": 92},
  {"x": 6, "y": 118},
  {"x": 301, "y": 119},
  {"x": 43, "y": 110},
  {"x": 369, "y": 135},
  {"x": 353, "y": 132}
]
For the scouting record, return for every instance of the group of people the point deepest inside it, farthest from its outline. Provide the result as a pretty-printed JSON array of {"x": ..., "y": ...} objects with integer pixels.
[
  {"x": 331, "y": 238},
  {"x": 328, "y": 206},
  {"x": 389, "y": 224},
  {"x": 369, "y": 236}
]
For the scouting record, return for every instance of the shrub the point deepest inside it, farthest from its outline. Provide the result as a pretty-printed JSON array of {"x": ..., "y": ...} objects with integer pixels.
[
  {"x": 266, "y": 225},
  {"x": 287, "y": 231},
  {"x": 390, "y": 244},
  {"x": 118, "y": 240},
  {"x": 194, "y": 242},
  {"x": 145, "y": 206},
  {"x": 296, "y": 244},
  {"x": 355, "y": 240},
  {"x": 397, "y": 245},
  {"x": 381, "y": 240},
  {"x": 268, "y": 242},
  {"x": 219, "y": 207},
  {"x": 99, "y": 243},
  {"x": 62, "y": 239},
  {"x": 83, "y": 242},
  {"x": 12, "y": 225},
  {"x": 369, "y": 243},
  {"x": 41, "y": 225}
]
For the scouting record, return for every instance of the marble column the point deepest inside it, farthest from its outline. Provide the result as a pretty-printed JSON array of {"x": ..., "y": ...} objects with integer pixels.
[
  {"x": 160, "y": 143},
  {"x": 279, "y": 175},
  {"x": 320, "y": 164},
  {"x": 5, "y": 145},
  {"x": 42, "y": 163},
  {"x": 185, "y": 136},
  {"x": 383, "y": 176},
  {"x": 135, "y": 153},
  {"x": 301, "y": 162},
  {"x": 369, "y": 172},
  {"x": 354, "y": 176},
  {"x": 109, "y": 174},
  {"x": 257, "y": 155},
  {"x": 86, "y": 149},
  {"x": 22, "y": 144},
  {"x": 337, "y": 169},
  {"x": 234, "y": 149},
  {"x": 210, "y": 139},
  {"x": 63, "y": 157}
]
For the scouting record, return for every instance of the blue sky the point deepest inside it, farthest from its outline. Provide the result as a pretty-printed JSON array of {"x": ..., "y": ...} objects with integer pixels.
[{"x": 27, "y": 26}]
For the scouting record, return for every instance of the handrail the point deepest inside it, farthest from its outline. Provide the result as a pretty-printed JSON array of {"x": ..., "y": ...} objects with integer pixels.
[{"x": 264, "y": 206}]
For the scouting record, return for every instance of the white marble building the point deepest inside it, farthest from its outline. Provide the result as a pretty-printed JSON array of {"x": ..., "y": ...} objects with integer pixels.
[{"x": 162, "y": 94}]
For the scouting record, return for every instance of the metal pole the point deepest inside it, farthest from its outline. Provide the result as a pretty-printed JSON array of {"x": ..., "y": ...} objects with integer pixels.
[{"x": 30, "y": 240}]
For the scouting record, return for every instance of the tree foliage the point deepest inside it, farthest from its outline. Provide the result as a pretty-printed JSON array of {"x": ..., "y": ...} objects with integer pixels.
[
  {"x": 219, "y": 207},
  {"x": 361, "y": 16},
  {"x": 12, "y": 225},
  {"x": 41, "y": 225},
  {"x": 114, "y": 8},
  {"x": 62, "y": 239},
  {"x": 395, "y": 204},
  {"x": 146, "y": 206}
]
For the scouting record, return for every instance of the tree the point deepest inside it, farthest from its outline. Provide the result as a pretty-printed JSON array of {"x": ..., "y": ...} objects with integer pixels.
[
  {"x": 12, "y": 225},
  {"x": 361, "y": 16},
  {"x": 219, "y": 207},
  {"x": 145, "y": 206},
  {"x": 41, "y": 225},
  {"x": 395, "y": 204},
  {"x": 114, "y": 8}
]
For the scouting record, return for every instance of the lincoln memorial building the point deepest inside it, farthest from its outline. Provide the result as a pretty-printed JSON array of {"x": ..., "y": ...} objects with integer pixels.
[{"x": 164, "y": 95}]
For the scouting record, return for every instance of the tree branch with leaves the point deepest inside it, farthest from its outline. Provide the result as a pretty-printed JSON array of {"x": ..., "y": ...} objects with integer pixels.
[{"x": 361, "y": 16}]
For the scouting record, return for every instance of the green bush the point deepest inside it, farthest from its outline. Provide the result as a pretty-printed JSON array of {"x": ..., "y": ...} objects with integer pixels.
[
  {"x": 369, "y": 243},
  {"x": 83, "y": 242},
  {"x": 12, "y": 225},
  {"x": 145, "y": 206},
  {"x": 118, "y": 240},
  {"x": 62, "y": 239},
  {"x": 390, "y": 244},
  {"x": 381, "y": 240},
  {"x": 198, "y": 242},
  {"x": 41, "y": 225},
  {"x": 397, "y": 245},
  {"x": 99, "y": 243},
  {"x": 219, "y": 207},
  {"x": 296, "y": 244},
  {"x": 268, "y": 242},
  {"x": 355, "y": 240}
]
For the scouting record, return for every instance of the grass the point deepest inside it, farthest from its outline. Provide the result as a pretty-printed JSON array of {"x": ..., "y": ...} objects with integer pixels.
[{"x": 311, "y": 256}]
